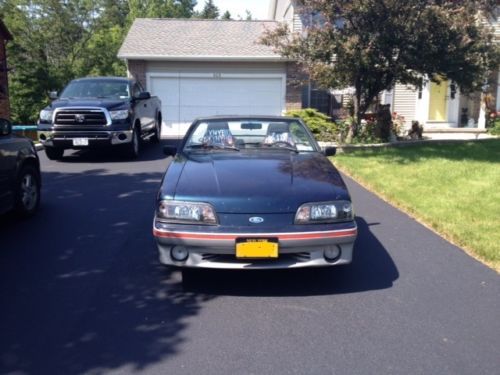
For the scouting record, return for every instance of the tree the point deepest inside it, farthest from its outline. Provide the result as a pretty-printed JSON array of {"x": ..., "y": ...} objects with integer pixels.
[
  {"x": 248, "y": 16},
  {"x": 372, "y": 44},
  {"x": 56, "y": 41},
  {"x": 226, "y": 15},
  {"x": 49, "y": 39},
  {"x": 210, "y": 10}
]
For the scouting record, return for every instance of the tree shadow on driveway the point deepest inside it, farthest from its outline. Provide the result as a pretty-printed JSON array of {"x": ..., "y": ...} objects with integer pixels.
[
  {"x": 371, "y": 269},
  {"x": 81, "y": 290}
]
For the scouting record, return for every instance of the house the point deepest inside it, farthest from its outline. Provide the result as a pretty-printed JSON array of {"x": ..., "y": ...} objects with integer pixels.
[
  {"x": 5, "y": 36},
  {"x": 209, "y": 67},
  {"x": 436, "y": 106},
  {"x": 203, "y": 67},
  {"x": 442, "y": 106},
  {"x": 325, "y": 101}
]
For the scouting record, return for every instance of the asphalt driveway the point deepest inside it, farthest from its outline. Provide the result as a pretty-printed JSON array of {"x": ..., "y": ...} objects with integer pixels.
[{"x": 81, "y": 291}]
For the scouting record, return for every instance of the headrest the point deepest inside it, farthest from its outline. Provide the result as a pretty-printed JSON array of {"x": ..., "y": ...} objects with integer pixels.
[{"x": 278, "y": 127}]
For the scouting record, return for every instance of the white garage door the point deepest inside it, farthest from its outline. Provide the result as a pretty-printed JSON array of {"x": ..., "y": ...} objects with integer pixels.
[{"x": 186, "y": 97}]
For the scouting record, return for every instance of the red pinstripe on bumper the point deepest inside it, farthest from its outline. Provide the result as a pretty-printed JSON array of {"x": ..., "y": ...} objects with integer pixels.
[{"x": 233, "y": 236}]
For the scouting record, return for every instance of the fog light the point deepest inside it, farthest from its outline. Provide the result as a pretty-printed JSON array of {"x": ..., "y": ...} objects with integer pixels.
[
  {"x": 179, "y": 253},
  {"x": 122, "y": 137},
  {"x": 43, "y": 137},
  {"x": 332, "y": 253}
]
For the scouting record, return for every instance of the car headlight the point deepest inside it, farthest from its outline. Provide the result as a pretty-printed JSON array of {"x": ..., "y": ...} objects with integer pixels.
[
  {"x": 46, "y": 115},
  {"x": 119, "y": 115},
  {"x": 324, "y": 212},
  {"x": 186, "y": 212}
]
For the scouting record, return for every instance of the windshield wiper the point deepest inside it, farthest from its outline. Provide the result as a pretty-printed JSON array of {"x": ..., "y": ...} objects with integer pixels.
[
  {"x": 212, "y": 147},
  {"x": 281, "y": 146}
]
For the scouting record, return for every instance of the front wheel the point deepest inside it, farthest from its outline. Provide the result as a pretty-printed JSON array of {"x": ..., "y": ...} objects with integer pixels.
[
  {"x": 157, "y": 132},
  {"x": 133, "y": 148},
  {"x": 27, "y": 191},
  {"x": 54, "y": 153}
]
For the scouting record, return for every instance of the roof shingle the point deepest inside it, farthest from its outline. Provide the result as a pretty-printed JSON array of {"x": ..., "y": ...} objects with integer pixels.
[{"x": 179, "y": 39}]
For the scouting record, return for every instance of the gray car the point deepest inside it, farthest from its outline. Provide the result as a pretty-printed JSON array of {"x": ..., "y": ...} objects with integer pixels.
[{"x": 20, "y": 179}]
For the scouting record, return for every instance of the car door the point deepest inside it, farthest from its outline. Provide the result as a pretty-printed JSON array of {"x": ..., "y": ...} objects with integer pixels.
[
  {"x": 147, "y": 110},
  {"x": 7, "y": 171}
]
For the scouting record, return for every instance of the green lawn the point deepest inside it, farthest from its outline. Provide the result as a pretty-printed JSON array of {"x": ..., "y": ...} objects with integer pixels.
[{"x": 454, "y": 188}]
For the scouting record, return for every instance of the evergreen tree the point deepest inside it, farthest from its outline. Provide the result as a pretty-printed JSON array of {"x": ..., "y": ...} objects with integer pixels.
[
  {"x": 210, "y": 10},
  {"x": 226, "y": 15}
]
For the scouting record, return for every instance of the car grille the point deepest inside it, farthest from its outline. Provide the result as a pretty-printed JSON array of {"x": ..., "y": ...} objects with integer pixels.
[
  {"x": 226, "y": 258},
  {"x": 78, "y": 117}
]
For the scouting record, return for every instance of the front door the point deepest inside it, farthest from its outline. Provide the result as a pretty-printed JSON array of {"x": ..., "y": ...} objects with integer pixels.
[{"x": 438, "y": 102}]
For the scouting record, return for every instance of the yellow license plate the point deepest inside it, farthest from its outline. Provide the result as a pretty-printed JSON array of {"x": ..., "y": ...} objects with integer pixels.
[{"x": 256, "y": 248}]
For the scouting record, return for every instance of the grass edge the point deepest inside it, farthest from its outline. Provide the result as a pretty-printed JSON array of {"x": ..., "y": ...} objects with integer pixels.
[{"x": 408, "y": 211}]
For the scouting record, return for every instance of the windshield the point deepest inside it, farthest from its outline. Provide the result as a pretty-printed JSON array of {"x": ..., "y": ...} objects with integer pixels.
[
  {"x": 255, "y": 134},
  {"x": 97, "y": 89}
]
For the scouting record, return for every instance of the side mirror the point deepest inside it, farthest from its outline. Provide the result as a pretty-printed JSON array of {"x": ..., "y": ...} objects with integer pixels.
[
  {"x": 143, "y": 95},
  {"x": 170, "y": 150},
  {"x": 5, "y": 127},
  {"x": 330, "y": 151},
  {"x": 53, "y": 95}
]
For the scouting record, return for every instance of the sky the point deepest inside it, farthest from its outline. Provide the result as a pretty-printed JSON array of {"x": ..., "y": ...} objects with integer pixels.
[{"x": 258, "y": 8}]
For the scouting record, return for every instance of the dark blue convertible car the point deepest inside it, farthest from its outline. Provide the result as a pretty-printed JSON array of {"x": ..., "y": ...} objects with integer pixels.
[{"x": 251, "y": 193}]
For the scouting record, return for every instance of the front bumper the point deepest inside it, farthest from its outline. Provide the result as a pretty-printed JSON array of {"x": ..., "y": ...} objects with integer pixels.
[
  {"x": 96, "y": 139},
  {"x": 218, "y": 250}
]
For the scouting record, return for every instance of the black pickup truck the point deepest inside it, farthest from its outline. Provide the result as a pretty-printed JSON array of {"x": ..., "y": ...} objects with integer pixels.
[{"x": 100, "y": 112}]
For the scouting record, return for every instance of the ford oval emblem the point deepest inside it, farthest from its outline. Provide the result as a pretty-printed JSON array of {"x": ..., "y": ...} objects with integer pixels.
[{"x": 256, "y": 220}]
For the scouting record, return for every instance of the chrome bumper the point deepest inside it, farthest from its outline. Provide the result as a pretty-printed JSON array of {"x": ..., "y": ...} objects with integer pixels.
[{"x": 65, "y": 138}]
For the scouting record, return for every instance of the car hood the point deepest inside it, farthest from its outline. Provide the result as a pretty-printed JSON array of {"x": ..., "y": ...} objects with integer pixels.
[
  {"x": 251, "y": 182},
  {"x": 111, "y": 104}
]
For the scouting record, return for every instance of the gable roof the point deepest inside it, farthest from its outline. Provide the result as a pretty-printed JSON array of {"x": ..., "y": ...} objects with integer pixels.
[{"x": 197, "y": 39}]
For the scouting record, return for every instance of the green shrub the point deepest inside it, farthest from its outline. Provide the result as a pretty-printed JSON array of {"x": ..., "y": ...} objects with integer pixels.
[
  {"x": 495, "y": 129},
  {"x": 369, "y": 132},
  {"x": 320, "y": 124}
]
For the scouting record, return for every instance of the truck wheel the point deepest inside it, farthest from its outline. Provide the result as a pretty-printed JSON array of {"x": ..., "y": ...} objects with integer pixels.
[
  {"x": 27, "y": 192},
  {"x": 157, "y": 132},
  {"x": 134, "y": 147},
  {"x": 54, "y": 153}
]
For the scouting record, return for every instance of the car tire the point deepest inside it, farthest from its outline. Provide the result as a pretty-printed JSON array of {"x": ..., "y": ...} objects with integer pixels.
[
  {"x": 157, "y": 132},
  {"x": 134, "y": 147},
  {"x": 27, "y": 191},
  {"x": 54, "y": 153}
]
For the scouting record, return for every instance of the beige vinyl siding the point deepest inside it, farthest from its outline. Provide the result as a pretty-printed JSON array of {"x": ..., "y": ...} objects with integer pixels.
[
  {"x": 346, "y": 100},
  {"x": 283, "y": 11},
  {"x": 297, "y": 23},
  {"x": 493, "y": 22},
  {"x": 405, "y": 101}
]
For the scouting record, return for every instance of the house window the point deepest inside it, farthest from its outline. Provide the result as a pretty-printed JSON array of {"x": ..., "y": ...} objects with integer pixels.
[{"x": 318, "y": 99}]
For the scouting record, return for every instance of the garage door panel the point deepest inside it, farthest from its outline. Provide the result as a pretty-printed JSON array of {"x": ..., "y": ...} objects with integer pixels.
[
  {"x": 189, "y": 113},
  {"x": 167, "y": 89},
  {"x": 230, "y": 92},
  {"x": 186, "y": 98}
]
